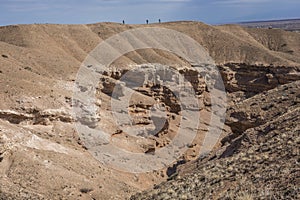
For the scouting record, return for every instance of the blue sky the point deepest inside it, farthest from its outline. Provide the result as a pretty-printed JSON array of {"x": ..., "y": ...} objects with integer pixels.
[{"x": 137, "y": 11}]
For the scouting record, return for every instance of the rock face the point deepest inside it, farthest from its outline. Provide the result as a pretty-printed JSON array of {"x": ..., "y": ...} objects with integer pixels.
[
  {"x": 263, "y": 107},
  {"x": 243, "y": 81},
  {"x": 154, "y": 108},
  {"x": 35, "y": 117},
  {"x": 43, "y": 156}
]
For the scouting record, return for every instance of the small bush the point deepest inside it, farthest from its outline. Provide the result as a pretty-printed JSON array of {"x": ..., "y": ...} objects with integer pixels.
[
  {"x": 28, "y": 68},
  {"x": 85, "y": 190}
]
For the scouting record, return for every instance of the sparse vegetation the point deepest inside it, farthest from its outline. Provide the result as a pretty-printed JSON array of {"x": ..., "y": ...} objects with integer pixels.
[
  {"x": 28, "y": 68},
  {"x": 85, "y": 190}
]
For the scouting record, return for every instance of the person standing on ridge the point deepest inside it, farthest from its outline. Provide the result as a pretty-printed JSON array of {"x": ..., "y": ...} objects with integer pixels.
[
  {"x": 159, "y": 21},
  {"x": 147, "y": 21},
  {"x": 123, "y": 22}
]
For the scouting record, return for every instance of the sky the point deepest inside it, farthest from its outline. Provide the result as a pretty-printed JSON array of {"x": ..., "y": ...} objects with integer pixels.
[{"x": 137, "y": 11}]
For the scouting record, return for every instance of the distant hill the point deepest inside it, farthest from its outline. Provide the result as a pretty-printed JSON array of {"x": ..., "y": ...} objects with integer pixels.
[{"x": 286, "y": 24}]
